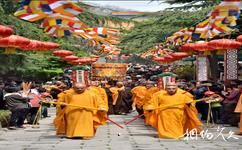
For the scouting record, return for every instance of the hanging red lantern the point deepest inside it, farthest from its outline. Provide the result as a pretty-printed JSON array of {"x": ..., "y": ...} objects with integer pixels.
[
  {"x": 50, "y": 45},
  {"x": 33, "y": 45},
  {"x": 70, "y": 58},
  {"x": 169, "y": 57},
  {"x": 83, "y": 59},
  {"x": 202, "y": 46},
  {"x": 239, "y": 38},
  {"x": 76, "y": 62},
  {"x": 179, "y": 54},
  {"x": 224, "y": 44},
  {"x": 14, "y": 41},
  {"x": 62, "y": 53},
  {"x": 5, "y": 31},
  {"x": 159, "y": 59},
  {"x": 187, "y": 47}
]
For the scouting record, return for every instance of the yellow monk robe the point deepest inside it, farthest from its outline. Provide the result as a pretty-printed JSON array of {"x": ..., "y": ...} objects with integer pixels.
[
  {"x": 191, "y": 114},
  {"x": 60, "y": 119},
  {"x": 150, "y": 117},
  {"x": 114, "y": 91},
  {"x": 138, "y": 95},
  {"x": 170, "y": 120},
  {"x": 151, "y": 105},
  {"x": 100, "y": 118},
  {"x": 79, "y": 120},
  {"x": 238, "y": 109}
]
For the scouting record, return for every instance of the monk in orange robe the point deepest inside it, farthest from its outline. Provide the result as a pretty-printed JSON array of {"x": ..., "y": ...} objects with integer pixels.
[
  {"x": 100, "y": 118},
  {"x": 80, "y": 112},
  {"x": 171, "y": 111},
  {"x": 138, "y": 93},
  {"x": 60, "y": 119},
  {"x": 238, "y": 109},
  {"x": 150, "y": 117}
]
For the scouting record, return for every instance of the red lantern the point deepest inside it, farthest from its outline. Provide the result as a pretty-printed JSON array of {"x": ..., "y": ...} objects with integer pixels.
[
  {"x": 70, "y": 58},
  {"x": 33, "y": 45},
  {"x": 169, "y": 57},
  {"x": 14, "y": 41},
  {"x": 50, "y": 45},
  {"x": 179, "y": 54},
  {"x": 5, "y": 31},
  {"x": 62, "y": 53},
  {"x": 76, "y": 62},
  {"x": 202, "y": 46},
  {"x": 224, "y": 44},
  {"x": 83, "y": 59},
  {"x": 239, "y": 38},
  {"x": 159, "y": 59},
  {"x": 187, "y": 47}
]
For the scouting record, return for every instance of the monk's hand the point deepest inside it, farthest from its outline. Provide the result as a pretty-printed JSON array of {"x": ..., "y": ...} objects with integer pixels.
[
  {"x": 149, "y": 110},
  {"x": 189, "y": 104},
  {"x": 102, "y": 109},
  {"x": 62, "y": 106}
]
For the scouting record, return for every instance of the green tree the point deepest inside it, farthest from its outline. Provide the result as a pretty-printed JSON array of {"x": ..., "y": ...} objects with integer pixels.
[{"x": 159, "y": 26}]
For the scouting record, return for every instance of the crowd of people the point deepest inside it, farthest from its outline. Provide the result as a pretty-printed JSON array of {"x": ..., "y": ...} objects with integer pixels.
[{"x": 81, "y": 109}]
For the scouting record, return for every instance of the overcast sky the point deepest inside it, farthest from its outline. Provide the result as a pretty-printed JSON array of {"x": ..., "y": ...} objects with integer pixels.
[{"x": 137, "y": 5}]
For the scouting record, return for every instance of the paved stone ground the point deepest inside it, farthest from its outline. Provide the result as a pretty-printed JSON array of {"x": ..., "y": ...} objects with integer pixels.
[{"x": 135, "y": 136}]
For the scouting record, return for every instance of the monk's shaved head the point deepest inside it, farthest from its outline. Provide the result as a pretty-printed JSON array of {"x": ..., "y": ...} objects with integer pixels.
[
  {"x": 149, "y": 84},
  {"x": 171, "y": 88},
  {"x": 79, "y": 87},
  {"x": 120, "y": 84},
  {"x": 171, "y": 84}
]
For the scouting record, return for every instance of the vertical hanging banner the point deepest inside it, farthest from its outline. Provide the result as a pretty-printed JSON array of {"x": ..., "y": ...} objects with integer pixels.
[
  {"x": 231, "y": 64},
  {"x": 202, "y": 68}
]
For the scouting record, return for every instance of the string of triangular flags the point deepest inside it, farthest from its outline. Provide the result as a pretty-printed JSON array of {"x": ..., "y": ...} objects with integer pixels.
[
  {"x": 59, "y": 18},
  {"x": 222, "y": 19}
]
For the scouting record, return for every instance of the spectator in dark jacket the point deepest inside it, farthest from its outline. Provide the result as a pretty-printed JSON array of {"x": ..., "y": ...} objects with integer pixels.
[
  {"x": 229, "y": 104},
  {"x": 17, "y": 104}
]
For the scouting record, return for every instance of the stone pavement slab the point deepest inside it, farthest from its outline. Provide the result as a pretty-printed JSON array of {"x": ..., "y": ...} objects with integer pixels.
[{"x": 135, "y": 136}]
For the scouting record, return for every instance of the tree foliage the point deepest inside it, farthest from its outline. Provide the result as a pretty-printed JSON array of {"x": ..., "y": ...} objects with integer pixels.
[
  {"x": 188, "y": 4},
  {"x": 160, "y": 25}
]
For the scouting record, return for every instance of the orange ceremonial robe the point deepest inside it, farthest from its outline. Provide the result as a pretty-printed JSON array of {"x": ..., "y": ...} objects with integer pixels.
[
  {"x": 150, "y": 117},
  {"x": 171, "y": 113},
  {"x": 100, "y": 117},
  {"x": 60, "y": 119},
  {"x": 80, "y": 120},
  {"x": 138, "y": 95}
]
